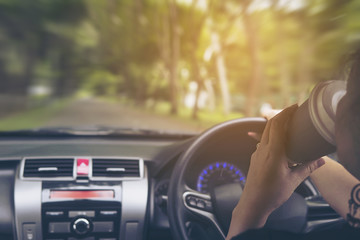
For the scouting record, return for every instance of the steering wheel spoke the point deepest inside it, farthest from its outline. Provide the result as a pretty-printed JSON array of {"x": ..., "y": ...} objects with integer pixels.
[
  {"x": 200, "y": 205},
  {"x": 197, "y": 201}
]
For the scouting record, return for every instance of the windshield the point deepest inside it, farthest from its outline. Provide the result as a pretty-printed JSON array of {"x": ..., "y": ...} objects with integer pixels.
[{"x": 170, "y": 65}]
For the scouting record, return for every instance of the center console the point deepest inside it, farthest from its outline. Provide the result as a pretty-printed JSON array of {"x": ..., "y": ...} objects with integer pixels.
[
  {"x": 82, "y": 212},
  {"x": 84, "y": 205}
]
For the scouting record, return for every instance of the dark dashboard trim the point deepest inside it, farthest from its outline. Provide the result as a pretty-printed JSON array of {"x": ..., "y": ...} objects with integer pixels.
[{"x": 55, "y": 136}]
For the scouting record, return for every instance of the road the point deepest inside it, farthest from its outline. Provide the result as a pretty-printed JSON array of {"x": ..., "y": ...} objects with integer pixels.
[{"x": 91, "y": 112}]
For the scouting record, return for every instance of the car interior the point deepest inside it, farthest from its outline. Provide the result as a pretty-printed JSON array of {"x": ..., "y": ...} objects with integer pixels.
[
  {"x": 133, "y": 186},
  {"x": 130, "y": 119}
]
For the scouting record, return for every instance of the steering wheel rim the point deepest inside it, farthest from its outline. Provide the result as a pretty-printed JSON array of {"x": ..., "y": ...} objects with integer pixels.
[{"x": 177, "y": 209}]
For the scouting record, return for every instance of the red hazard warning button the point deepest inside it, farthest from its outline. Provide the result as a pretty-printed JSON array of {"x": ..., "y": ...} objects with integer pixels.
[{"x": 82, "y": 166}]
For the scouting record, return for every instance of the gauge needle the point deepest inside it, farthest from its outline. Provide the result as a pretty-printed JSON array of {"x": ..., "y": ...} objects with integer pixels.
[{"x": 221, "y": 173}]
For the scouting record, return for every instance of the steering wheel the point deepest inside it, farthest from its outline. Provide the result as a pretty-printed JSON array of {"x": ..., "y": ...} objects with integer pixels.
[{"x": 186, "y": 206}]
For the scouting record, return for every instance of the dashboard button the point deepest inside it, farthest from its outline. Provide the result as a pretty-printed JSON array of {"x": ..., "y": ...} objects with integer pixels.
[
  {"x": 81, "y": 213},
  {"x": 54, "y": 213},
  {"x": 131, "y": 230},
  {"x": 191, "y": 201},
  {"x": 103, "y": 227},
  {"x": 29, "y": 231},
  {"x": 59, "y": 227},
  {"x": 208, "y": 206},
  {"x": 200, "y": 204},
  {"x": 108, "y": 213},
  {"x": 82, "y": 166},
  {"x": 87, "y": 238}
]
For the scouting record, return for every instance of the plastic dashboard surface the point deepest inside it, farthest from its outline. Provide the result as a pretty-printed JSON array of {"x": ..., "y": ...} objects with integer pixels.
[{"x": 21, "y": 200}]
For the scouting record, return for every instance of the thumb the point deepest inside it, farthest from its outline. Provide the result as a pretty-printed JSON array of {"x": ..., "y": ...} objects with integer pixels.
[{"x": 306, "y": 169}]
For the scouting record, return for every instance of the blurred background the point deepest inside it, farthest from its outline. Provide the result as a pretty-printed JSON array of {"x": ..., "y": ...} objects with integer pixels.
[{"x": 148, "y": 63}]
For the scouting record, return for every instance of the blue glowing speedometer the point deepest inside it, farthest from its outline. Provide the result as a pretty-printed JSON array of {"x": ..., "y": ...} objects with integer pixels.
[{"x": 217, "y": 174}]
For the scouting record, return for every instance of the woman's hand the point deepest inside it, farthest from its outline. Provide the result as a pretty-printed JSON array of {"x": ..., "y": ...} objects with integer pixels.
[{"x": 270, "y": 181}]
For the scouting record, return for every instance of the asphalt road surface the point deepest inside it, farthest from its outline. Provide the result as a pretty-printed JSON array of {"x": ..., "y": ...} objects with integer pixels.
[{"x": 93, "y": 112}]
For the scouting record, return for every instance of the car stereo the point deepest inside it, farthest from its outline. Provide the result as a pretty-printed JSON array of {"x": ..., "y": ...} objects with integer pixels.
[
  {"x": 87, "y": 198},
  {"x": 81, "y": 212}
]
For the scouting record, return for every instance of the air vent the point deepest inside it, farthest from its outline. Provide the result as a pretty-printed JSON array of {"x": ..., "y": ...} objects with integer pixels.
[
  {"x": 116, "y": 168},
  {"x": 48, "y": 167}
]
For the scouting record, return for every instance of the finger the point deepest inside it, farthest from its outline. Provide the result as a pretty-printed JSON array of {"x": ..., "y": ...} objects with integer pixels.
[
  {"x": 265, "y": 135},
  {"x": 255, "y": 135},
  {"x": 306, "y": 169},
  {"x": 278, "y": 129}
]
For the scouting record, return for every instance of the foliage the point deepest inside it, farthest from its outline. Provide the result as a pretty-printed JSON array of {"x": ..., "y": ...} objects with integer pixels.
[
  {"x": 32, "y": 118},
  {"x": 150, "y": 51},
  {"x": 102, "y": 83}
]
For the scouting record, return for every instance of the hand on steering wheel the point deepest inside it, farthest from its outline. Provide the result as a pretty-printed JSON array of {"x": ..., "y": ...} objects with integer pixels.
[{"x": 270, "y": 181}]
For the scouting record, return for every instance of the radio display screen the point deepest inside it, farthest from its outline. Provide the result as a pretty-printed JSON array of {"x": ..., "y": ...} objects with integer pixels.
[{"x": 82, "y": 194}]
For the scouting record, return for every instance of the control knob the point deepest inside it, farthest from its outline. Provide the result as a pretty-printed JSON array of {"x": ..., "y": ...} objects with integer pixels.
[{"x": 81, "y": 226}]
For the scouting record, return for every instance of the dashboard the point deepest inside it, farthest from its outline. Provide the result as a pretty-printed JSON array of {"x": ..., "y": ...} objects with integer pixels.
[
  {"x": 99, "y": 188},
  {"x": 76, "y": 197}
]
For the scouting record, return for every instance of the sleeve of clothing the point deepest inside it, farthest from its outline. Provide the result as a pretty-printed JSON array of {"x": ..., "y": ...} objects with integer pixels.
[{"x": 346, "y": 232}]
